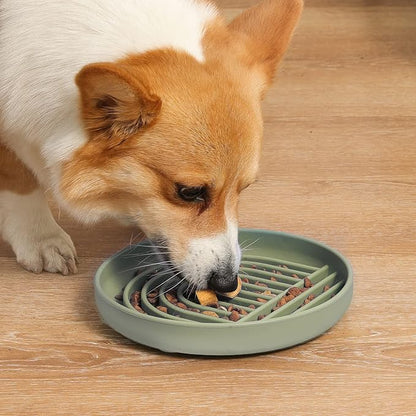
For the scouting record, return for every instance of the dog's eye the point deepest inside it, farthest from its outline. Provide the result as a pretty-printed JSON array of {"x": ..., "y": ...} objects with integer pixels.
[{"x": 192, "y": 194}]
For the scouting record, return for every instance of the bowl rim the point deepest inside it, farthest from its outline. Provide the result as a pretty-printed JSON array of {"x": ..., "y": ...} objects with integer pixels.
[{"x": 348, "y": 286}]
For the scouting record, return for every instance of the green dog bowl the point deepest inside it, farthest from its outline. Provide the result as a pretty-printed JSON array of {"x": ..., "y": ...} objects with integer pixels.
[{"x": 269, "y": 319}]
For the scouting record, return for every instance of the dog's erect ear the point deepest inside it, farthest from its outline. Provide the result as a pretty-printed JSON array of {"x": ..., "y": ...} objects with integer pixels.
[
  {"x": 268, "y": 28},
  {"x": 114, "y": 104}
]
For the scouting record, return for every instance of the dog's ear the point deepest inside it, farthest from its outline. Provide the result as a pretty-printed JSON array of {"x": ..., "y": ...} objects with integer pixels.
[
  {"x": 267, "y": 29},
  {"x": 114, "y": 104}
]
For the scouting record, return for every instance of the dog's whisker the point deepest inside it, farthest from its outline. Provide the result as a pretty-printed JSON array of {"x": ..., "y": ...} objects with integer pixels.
[
  {"x": 173, "y": 287},
  {"x": 159, "y": 263},
  {"x": 249, "y": 245},
  {"x": 138, "y": 267},
  {"x": 162, "y": 283},
  {"x": 144, "y": 254}
]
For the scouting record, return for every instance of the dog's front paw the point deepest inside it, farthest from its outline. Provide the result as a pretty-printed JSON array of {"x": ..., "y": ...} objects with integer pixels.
[{"x": 53, "y": 252}]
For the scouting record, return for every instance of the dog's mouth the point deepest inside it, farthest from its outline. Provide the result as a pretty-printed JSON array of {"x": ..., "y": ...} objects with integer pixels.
[{"x": 221, "y": 277}]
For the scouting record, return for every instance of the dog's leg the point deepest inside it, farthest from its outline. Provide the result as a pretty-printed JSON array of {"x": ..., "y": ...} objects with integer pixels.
[{"x": 26, "y": 221}]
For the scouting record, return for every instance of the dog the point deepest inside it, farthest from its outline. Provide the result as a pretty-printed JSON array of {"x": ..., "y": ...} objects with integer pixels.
[{"x": 146, "y": 111}]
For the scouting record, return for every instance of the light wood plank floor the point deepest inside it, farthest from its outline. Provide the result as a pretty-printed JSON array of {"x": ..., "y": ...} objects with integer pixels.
[{"x": 339, "y": 165}]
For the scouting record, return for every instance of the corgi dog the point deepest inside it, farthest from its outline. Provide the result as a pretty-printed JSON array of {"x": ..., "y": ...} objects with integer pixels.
[{"x": 140, "y": 110}]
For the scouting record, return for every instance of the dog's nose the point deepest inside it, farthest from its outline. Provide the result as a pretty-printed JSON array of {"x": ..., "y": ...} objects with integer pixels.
[{"x": 221, "y": 283}]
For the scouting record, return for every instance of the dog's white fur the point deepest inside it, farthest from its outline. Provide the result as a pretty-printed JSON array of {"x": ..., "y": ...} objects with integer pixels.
[{"x": 43, "y": 44}]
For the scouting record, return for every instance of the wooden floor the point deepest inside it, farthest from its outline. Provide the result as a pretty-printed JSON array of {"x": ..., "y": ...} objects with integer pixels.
[{"x": 339, "y": 165}]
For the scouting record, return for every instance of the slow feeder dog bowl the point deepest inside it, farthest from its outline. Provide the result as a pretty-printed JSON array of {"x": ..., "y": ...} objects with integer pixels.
[{"x": 275, "y": 263}]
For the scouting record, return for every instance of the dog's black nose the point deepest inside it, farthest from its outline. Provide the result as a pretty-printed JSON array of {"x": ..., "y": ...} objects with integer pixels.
[{"x": 221, "y": 283}]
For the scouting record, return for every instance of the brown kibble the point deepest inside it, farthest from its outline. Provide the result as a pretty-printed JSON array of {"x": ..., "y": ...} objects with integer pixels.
[
  {"x": 307, "y": 282},
  {"x": 311, "y": 297},
  {"x": 267, "y": 292},
  {"x": 243, "y": 312},
  {"x": 295, "y": 276},
  {"x": 306, "y": 301},
  {"x": 245, "y": 280},
  {"x": 295, "y": 291},
  {"x": 327, "y": 287},
  {"x": 138, "y": 308},
  {"x": 234, "y": 316},
  {"x": 135, "y": 297},
  {"x": 210, "y": 313},
  {"x": 281, "y": 302},
  {"x": 261, "y": 300},
  {"x": 273, "y": 279},
  {"x": 153, "y": 301},
  {"x": 171, "y": 298},
  {"x": 194, "y": 310},
  {"x": 163, "y": 309},
  {"x": 260, "y": 284},
  {"x": 252, "y": 306},
  {"x": 289, "y": 298},
  {"x": 153, "y": 294},
  {"x": 260, "y": 317},
  {"x": 284, "y": 266},
  {"x": 235, "y": 292},
  {"x": 181, "y": 305}
]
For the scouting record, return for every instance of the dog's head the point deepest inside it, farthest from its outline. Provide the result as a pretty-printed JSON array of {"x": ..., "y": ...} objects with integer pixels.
[{"x": 173, "y": 141}]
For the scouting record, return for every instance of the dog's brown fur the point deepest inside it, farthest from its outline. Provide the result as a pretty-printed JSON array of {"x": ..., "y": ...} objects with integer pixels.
[{"x": 14, "y": 175}]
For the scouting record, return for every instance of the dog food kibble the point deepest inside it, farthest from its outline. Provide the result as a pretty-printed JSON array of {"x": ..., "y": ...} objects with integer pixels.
[
  {"x": 171, "y": 298},
  {"x": 295, "y": 291},
  {"x": 181, "y": 305},
  {"x": 210, "y": 313},
  {"x": 326, "y": 288},
  {"x": 235, "y": 292},
  {"x": 252, "y": 306},
  {"x": 135, "y": 297},
  {"x": 135, "y": 301},
  {"x": 245, "y": 280},
  {"x": 273, "y": 279},
  {"x": 138, "y": 309},
  {"x": 260, "y": 317},
  {"x": 260, "y": 284},
  {"x": 163, "y": 309},
  {"x": 261, "y": 300},
  {"x": 307, "y": 282},
  {"x": 234, "y": 316},
  {"x": 295, "y": 276},
  {"x": 284, "y": 300},
  {"x": 206, "y": 297}
]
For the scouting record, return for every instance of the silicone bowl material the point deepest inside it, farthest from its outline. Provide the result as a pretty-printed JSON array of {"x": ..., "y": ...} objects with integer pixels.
[{"x": 274, "y": 259}]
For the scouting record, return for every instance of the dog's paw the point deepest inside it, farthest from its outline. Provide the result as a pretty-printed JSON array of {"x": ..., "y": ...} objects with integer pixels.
[{"x": 53, "y": 253}]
